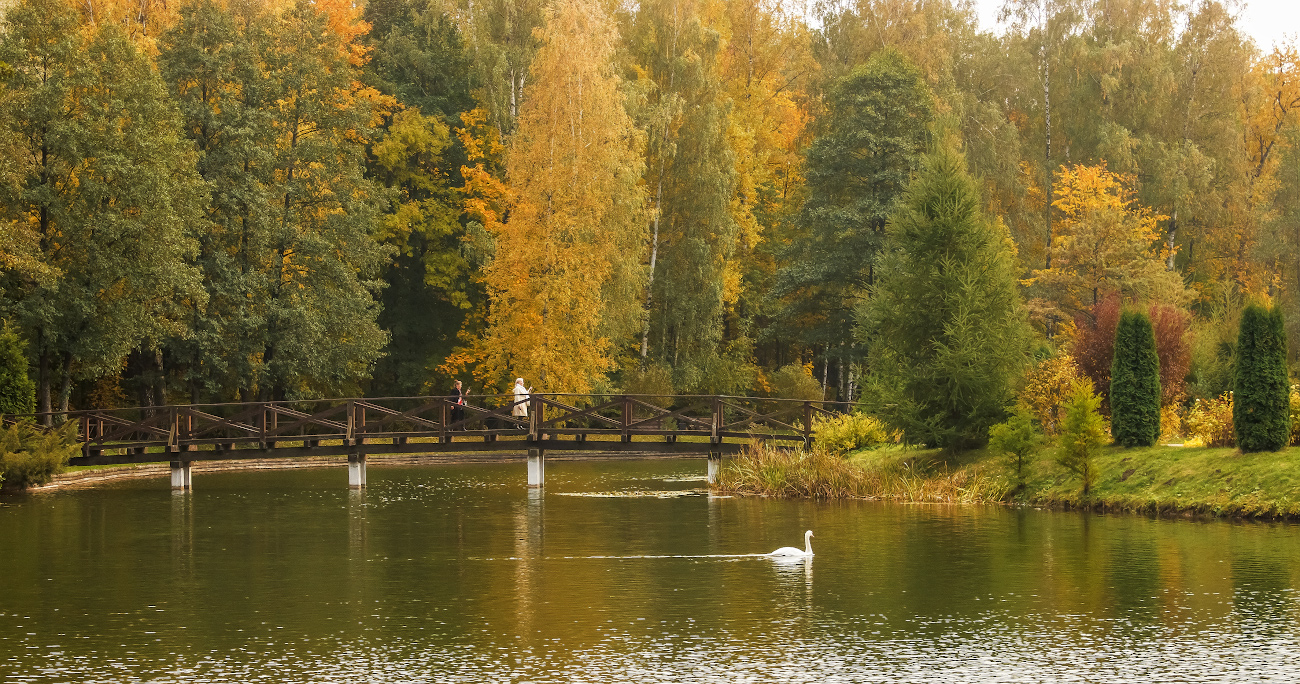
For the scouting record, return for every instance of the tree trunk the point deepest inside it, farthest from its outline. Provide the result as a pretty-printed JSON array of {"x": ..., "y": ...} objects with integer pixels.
[
  {"x": 65, "y": 387},
  {"x": 43, "y": 378},
  {"x": 1047, "y": 125}
]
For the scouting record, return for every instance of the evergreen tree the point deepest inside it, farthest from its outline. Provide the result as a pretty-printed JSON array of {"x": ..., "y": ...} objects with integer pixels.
[
  {"x": 875, "y": 134},
  {"x": 1261, "y": 398},
  {"x": 108, "y": 183},
  {"x": 1083, "y": 433},
  {"x": 947, "y": 328},
  {"x": 1135, "y": 382},
  {"x": 17, "y": 391}
]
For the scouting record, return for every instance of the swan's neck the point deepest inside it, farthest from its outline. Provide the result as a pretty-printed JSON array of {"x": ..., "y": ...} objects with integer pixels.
[{"x": 807, "y": 544}]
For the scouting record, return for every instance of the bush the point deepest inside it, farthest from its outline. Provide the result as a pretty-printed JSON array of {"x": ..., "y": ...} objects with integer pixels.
[
  {"x": 31, "y": 456},
  {"x": 1045, "y": 387},
  {"x": 1018, "y": 437},
  {"x": 17, "y": 391},
  {"x": 1261, "y": 399},
  {"x": 1209, "y": 422},
  {"x": 1173, "y": 345},
  {"x": 1295, "y": 415},
  {"x": 795, "y": 381},
  {"x": 844, "y": 433},
  {"x": 1083, "y": 433},
  {"x": 1094, "y": 343},
  {"x": 1135, "y": 382}
]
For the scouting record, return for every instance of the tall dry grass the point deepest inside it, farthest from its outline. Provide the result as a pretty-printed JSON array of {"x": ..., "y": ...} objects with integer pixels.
[{"x": 820, "y": 473}]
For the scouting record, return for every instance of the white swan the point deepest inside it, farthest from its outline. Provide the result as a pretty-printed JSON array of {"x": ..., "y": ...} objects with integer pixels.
[{"x": 792, "y": 551}]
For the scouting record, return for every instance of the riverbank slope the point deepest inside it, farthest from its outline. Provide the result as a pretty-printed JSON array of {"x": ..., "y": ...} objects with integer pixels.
[{"x": 1163, "y": 480}]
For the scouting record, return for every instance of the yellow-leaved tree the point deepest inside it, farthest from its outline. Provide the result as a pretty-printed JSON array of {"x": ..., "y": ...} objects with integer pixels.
[
  {"x": 566, "y": 278},
  {"x": 1104, "y": 242}
]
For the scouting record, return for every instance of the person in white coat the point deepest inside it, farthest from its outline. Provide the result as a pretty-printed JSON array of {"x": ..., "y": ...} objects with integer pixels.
[{"x": 521, "y": 399}]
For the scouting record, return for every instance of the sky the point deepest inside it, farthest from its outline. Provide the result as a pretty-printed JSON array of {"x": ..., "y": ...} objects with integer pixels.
[{"x": 1267, "y": 21}]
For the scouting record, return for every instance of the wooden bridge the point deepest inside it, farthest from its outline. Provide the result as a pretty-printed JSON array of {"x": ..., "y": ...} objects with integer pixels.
[{"x": 593, "y": 423}]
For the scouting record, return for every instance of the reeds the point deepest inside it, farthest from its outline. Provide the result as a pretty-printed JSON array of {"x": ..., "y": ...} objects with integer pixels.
[{"x": 820, "y": 473}]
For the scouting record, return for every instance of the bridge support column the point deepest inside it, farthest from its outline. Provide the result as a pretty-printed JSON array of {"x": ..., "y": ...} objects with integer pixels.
[
  {"x": 536, "y": 467},
  {"x": 715, "y": 466},
  {"x": 181, "y": 475},
  {"x": 357, "y": 470}
]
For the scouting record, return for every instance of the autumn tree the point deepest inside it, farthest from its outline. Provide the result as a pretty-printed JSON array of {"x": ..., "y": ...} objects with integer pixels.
[
  {"x": 567, "y": 278},
  {"x": 108, "y": 188},
  {"x": 690, "y": 178},
  {"x": 946, "y": 324},
  {"x": 289, "y": 258}
]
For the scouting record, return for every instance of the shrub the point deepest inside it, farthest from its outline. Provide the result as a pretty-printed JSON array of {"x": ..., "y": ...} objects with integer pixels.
[
  {"x": 31, "y": 455},
  {"x": 1018, "y": 437},
  {"x": 795, "y": 381},
  {"x": 1135, "y": 382},
  {"x": 1171, "y": 423},
  {"x": 1295, "y": 415},
  {"x": 1083, "y": 433},
  {"x": 1173, "y": 345},
  {"x": 1094, "y": 343},
  {"x": 1261, "y": 399},
  {"x": 17, "y": 391},
  {"x": 844, "y": 433},
  {"x": 1045, "y": 387},
  {"x": 1209, "y": 422}
]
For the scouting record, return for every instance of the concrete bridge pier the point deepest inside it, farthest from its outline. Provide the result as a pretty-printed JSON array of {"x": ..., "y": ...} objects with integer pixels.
[
  {"x": 357, "y": 470},
  {"x": 715, "y": 466},
  {"x": 536, "y": 467},
  {"x": 181, "y": 476}
]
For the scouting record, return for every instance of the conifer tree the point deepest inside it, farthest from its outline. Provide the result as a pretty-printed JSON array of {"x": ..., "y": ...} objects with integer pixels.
[
  {"x": 948, "y": 330},
  {"x": 566, "y": 281},
  {"x": 1135, "y": 382},
  {"x": 1261, "y": 398},
  {"x": 17, "y": 391}
]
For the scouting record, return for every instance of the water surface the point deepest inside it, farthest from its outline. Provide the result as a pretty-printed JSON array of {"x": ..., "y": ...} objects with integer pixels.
[{"x": 457, "y": 574}]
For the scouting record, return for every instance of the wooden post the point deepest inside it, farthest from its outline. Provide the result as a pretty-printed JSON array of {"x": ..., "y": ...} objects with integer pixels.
[
  {"x": 181, "y": 480},
  {"x": 807, "y": 424},
  {"x": 534, "y": 418},
  {"x": 627, "y": 418},
  {"x": 350, "y": 433},
  {"x": 442, "y": 425},
  {"x": 717, "y": 420},
  {"x": 85, "y": 434}
]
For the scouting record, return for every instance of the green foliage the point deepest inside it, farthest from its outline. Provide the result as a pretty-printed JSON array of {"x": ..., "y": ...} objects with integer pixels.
[
  {"x": 1261, "y": 400},
  {"x": 1135, "y": 382},
  {"x": 418, "y": 55},
  {"x": 868, "y": 146},
  {"x": 1017, "y": 437},
  {"x": 948, "y": 330},
  {"x": 31, "y": 456},
  {"x": 848, "y": 432},
  {"x": 794, "y": 381},
  {"x": 289, "y": 259},
  {"x": 1083, "y": 434},
  {"x": 17, "y": 391},
  {"x": 1295, "y": 415}
]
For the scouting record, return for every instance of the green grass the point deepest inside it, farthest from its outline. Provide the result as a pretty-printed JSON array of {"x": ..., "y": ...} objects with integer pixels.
[{"x": 1155, "y": 480}]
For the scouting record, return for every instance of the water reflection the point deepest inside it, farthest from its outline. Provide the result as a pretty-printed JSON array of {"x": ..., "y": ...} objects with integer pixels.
[{"x": 462, "y": 574}]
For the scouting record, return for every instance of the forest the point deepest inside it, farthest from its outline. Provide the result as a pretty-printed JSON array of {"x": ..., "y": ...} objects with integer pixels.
[{"x": 232, "y": 200}]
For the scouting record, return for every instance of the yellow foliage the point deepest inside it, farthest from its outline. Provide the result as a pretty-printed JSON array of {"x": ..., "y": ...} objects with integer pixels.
[
  {"x": 1046, "y": 387},
  {"x": 1209, "y": 422}
]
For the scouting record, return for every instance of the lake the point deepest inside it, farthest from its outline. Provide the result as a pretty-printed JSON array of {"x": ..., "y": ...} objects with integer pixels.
[{"x": 620, "y": 572}]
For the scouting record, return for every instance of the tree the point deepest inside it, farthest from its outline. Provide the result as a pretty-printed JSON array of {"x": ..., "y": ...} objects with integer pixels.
[
  {"x": 566, "y": 279},
  {"x": 1083, "y": 434},
  {"x": 1103, "y": 243},
  {"x": 1017, "y": 437},
  {"x": 17, "y": 391},
  {"x": 1135, "y": 382},
  {"x": 290, "y": 260},
  {"x": 691, "y": 177},
  {"x": 107, "y": 185},
  {"x": 948, "y": 330},
  {"x": 874, "y": 135},
  {"x": 1260, "y": 408}
]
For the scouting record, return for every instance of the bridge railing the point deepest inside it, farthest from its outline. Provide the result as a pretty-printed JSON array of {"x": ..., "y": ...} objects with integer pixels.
[{"x": 399, "y": 420}]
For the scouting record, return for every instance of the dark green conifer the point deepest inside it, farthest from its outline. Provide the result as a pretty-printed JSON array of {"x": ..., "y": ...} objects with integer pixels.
[
  {"x": 1135, "y": 382},
  {"x": 17, "y": 390},
  {"x": 1260, "y": 407}
]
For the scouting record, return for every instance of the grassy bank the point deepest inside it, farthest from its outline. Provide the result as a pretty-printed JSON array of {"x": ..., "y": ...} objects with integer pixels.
[{"x": 1158, "y": 480}]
